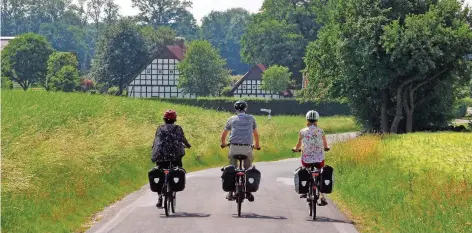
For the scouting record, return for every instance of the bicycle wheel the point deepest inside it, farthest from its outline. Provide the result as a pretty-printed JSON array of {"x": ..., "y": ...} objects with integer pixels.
[
  {"x": 313, "y": 208},
  {"x": 173, "y": 199},
  {"x": 166, "y": 203},
  {"x": 239, "y": 200}
]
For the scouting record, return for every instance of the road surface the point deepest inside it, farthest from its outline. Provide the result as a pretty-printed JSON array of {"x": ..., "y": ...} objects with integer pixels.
[{"x": 202, "y": 207}]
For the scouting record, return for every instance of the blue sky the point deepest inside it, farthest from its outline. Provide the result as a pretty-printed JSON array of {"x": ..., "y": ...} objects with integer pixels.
[{"x": 202, "y": 7}]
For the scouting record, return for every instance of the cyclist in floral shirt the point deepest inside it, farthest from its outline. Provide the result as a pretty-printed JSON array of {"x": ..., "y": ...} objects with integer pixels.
[{"x": 313, "y": 140}]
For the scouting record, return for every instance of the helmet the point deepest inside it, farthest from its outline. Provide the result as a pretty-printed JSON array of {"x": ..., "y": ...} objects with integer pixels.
[
  {"x": 312, "y": 115},
  {"x": 170, "y": 114},
  {"x": 240, "y": 105}
]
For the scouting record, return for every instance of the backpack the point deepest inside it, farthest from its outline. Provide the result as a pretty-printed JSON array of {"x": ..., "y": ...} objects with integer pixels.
[
  {"x": 327, "y": 179},
  {"x": 301, "y": 180},
  {"x": 166, "y": 146}
]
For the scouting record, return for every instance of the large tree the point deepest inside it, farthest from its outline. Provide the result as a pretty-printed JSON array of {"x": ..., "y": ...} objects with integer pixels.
[
  {"x": 121, "y": 53},
  {"x": 276, "y": 79},
  {"x": 56, "y": 62},
  {"x": 377, "y": 53},
  {"x": 24, "y": 59},
  {"x": 185, "y": 25},
  {"x": 202, "y": 70},
  {"x": 224, "y": 30},
  {"x": 273, "y": 43},
  {"x": 161, "y": 12}
]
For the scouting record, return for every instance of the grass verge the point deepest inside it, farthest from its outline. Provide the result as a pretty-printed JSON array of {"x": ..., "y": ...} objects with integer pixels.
[
  {"x": 67, "y": 156},
  {"x": 418, "y": 182}
]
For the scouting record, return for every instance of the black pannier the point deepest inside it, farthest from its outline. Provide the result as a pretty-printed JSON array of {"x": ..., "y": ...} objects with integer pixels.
[
  {"x": 253, "y": 179},
  {"x": 156, "y": 179},
  {"x": 302, "y": 180},
  {"x": 177, "y": 179},
  {"x": 327, "y": 179},
  {"x": 228, "y": 178}
]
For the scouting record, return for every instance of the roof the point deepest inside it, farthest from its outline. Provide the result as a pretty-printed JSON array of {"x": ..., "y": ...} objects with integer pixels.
[
  {"x": 177, "y": 51},
  {"x": 4, "y": 40},
  {"x": 261, "y": 67}
]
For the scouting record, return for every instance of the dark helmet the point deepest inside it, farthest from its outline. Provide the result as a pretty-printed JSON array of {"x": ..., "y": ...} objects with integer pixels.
[
  {"x": 240, "y": 105},
  {"x": 170, "y": 115}
]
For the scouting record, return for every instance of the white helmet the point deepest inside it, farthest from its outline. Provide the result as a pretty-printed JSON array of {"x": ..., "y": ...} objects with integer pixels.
[{"x": 312, "y": 115}]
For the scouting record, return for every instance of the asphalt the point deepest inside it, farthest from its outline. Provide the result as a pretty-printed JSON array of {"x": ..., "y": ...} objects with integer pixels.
[{"x": 202, "y": 206}]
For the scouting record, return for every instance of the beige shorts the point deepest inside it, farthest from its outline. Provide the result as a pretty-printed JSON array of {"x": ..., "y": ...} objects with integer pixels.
[{"x": 241, "y": 150}]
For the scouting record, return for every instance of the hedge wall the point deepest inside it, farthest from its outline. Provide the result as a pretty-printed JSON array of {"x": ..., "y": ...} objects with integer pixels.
[{"x": 278, "y": 106}]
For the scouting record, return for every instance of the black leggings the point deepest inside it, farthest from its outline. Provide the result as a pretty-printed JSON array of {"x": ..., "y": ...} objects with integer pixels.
[{"x": 165, "y": 164}]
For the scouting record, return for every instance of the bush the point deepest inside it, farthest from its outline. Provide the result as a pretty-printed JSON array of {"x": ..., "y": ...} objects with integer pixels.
[
  {"x": 67, "y": 79},
  {"x": 226, "y": 91},
  {"x": 6, "y": 82},
  {"x": 113, "y": 91},
  {"x": 278, "y": 106}
]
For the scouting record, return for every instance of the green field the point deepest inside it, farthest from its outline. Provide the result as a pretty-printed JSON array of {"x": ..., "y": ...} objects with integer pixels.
[
  {"x": 418, "y": 182},
  {"x": 67, "y": 156}
]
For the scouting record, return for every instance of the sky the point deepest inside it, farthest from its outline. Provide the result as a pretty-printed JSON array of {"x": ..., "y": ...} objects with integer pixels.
[{"x": 201, "y": 8}]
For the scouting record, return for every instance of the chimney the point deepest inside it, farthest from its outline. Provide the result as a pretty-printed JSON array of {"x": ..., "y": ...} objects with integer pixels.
[{"x": 180, "y": 41}]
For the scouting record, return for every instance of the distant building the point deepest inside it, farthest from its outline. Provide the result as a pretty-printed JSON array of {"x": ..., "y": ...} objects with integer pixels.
[
  {"x": 161, "y": 76},
  {"x": 250, "y": 85},
  {"x": 4, "y": 41}
]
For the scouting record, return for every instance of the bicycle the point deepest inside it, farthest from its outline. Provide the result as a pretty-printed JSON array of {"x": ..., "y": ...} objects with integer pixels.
[
  {"x": 240, "y": 193},
  {"x": 314, "y": 187},
  {"x": 169, "y": 195}
]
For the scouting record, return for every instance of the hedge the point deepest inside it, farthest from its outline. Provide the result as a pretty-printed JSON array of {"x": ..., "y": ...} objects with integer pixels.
[{"x": 277, "y": 106}]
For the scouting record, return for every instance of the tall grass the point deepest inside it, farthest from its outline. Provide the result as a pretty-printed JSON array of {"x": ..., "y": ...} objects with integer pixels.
[
  {"x": 406, "y": 183},
  {"x": 66, "y": 156}
]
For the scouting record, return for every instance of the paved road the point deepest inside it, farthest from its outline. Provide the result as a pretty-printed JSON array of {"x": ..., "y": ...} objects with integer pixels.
[{"x": 202, "y": 207}]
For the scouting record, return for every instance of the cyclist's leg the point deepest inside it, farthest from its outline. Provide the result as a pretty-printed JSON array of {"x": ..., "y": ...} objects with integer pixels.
[
  {"x": 232, "y": 151},
  {"x": 323, "y": 201}
]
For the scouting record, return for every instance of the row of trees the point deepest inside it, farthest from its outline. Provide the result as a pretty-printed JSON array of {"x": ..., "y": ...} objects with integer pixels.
[{"x": 76, "y": 26}]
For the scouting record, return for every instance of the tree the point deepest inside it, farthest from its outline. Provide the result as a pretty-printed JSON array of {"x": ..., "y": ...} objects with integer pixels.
[
  {"x": 95, "y": 10},
  {"x": 276, "y": 79},
  {"x": 273, "y": 43},
  {"x": 121, "y": 53},
  {"x": 13, "y": 14},
  {"x": 202, "y": 70},
  {"x": 110, "y": 12},
  {"x": 56, "y": 62},
  {"x": 66, "y": 79},
  {"x": 157, "y": 39},
  {"x": 185, "y": 25},
  {"x": 224, "y": 31},
  {"x": 161, "y": 12},
  {"x": 24, "y": 59}
]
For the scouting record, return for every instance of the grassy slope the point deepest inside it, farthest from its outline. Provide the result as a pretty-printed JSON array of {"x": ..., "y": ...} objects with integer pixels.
[
  {"x": 66, "y": 156},
  {"x": 406, "y": 183}
]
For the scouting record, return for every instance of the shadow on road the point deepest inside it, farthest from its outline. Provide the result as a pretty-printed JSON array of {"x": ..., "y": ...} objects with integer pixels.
[
  {"x": 325, "y": 219},
  {"x": 257, "y": 216},
  {"x": 186, "y": 215}
]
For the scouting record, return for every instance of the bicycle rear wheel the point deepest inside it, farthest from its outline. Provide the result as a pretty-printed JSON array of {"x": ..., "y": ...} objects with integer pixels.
[
  {"x": 239, "y": 200},
  {"x": 313, "y": 208},
  {"x": 166, "y": 204},
  {"x": 173, "y": 199}
]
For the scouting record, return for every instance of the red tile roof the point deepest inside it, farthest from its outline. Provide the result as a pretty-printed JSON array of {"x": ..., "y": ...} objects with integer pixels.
[
  {"x": 177, "y": 51},
  {"x": 262, "y": 67}
]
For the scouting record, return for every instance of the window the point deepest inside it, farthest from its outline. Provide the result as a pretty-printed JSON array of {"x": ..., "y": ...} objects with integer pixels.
[
  {"x": 154, "y": 66},
  {"x": 166, "y": 71},
  {"x": 171, "y": 71},
  {"x": 166, "y": 67},
  {"x": 165, "y": 82},
  {"x": 160, "y": 61},
  {"x": 167, "y": 89},
  {"x": 148, "y": 82},
  {"x": 171, "y": 61},
  {"x": 138, "y": 89},
  {"x": 159, "y": 77},
  {"x": 159, "y": 66},
  {"x": 244, "y": 86},
  {"x": 159, "y": 71},
  {"x": 171, "y": 77},
  {"x": 171, "y": 67}
]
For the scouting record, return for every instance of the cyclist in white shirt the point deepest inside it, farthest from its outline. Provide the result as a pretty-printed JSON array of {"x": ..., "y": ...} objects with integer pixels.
[{"x": 312, "y": 141}]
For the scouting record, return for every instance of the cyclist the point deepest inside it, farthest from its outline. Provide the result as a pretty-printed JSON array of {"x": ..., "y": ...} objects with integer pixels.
[
  {"x": 314, "y": 143},
  {"x": 243, "y": 127},
  {"x": 168, "y": 145}
]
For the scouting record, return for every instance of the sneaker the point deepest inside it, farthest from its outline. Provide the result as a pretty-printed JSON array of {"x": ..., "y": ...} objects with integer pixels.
[
  {"x": 159, "y": 203},
  {"x": 249, "y": 197},
  {"x": 323, "y": 202},
  {"x": 303, "y": 196},
  {"x": 229, "y": 196}
]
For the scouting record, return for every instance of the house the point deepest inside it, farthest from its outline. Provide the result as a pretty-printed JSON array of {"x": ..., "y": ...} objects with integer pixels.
[
  {"x": 250, "y": 85},
  {"x": 161, "y": 76},
  {"x": 4, "y": 41}
]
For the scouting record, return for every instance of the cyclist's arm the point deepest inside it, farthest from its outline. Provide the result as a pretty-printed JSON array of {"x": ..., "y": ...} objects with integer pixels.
[
  {"x": 325, "y": 142},
  {"x": 256, "y": 138},
  {"x": 299, "y": 143},
  {"x": 223, "y": 137},
  {"x": 184, "y": 140}
]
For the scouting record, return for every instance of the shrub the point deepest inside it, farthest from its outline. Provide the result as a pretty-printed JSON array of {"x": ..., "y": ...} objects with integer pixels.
[
  {"x": 67, "y": 79},
  {"x": 278, "y": 106},
  {"x": 226, "y": 91},
  {"x": 113, "y": 91}
]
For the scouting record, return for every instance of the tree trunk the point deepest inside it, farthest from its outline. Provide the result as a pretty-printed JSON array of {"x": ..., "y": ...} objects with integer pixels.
[
  {"x": 409, "y": 122},
  {"x": 384, "y": 108},
  {"x": 398, "y": 111}
]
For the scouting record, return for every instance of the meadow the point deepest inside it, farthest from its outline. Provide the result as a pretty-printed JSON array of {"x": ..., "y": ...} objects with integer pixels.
[
  {"x": 67, "y": 156},
  {"x": 419, "y": 182}
]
